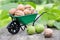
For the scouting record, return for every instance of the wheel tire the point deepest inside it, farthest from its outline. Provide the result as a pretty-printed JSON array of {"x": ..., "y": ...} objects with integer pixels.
[
  {"x": 14, "y": 28},
  {"x": 14, "y": 31}
]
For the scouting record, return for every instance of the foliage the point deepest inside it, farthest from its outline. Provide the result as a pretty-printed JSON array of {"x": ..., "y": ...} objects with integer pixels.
[
  {"x": 35, "y": 1},
  {"x": 4, "y": 18},
  {"x": 4, "y": 15},
  {"x": 30, "y": 3},
  {"x": 4, "y": 22},
  {"x": 14, "y": 5},
  {"x": 57, "y": 25},
  {"x": 8, "y": 6},
  {"x": 52, "y": 13}
]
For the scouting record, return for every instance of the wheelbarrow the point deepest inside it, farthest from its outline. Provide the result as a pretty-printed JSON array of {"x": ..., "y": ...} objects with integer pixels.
[{"x": 18, "y": 21}]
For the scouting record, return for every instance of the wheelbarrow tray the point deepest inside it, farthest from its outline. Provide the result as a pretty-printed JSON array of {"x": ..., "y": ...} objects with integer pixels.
[{"x": 25, "y": 19}]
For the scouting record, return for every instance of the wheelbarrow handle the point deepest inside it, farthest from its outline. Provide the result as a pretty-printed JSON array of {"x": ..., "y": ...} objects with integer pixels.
[{"x": 38, "y": 18}]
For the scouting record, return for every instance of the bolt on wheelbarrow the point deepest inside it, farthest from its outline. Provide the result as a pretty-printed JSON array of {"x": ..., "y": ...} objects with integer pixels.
[{"x": 18, "y": 21}]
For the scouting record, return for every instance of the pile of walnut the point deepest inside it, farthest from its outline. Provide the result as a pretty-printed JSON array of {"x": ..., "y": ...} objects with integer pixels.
[{"x": 22, "y": 10}]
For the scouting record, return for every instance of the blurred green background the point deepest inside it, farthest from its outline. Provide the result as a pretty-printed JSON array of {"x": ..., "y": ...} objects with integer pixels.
[{"x": 52, "y": 7}]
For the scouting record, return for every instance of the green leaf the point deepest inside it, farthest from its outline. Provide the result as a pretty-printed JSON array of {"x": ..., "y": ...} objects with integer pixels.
[
  {"x": 52, "y": 13},
  {"x": 2, "y": 2},
  {"x": 58, "y": 19},
  {"x": 8, "y": 6},
  {"x": 4, "y": 14},
  {"x": 4, "y": 22},
  {"x": 57, "y": 25},
  {"x": 32, "y": 4}
]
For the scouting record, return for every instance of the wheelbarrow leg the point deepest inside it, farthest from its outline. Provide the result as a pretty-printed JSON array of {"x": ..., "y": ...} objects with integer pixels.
[{"x": 23, "y": 27}]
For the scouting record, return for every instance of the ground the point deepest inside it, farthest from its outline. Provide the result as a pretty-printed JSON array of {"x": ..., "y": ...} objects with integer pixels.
[{"x": 22, "y": 35}]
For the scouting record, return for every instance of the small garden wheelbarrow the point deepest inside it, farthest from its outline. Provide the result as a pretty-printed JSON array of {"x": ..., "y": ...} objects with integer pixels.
[{"x": 18, "y": 21}]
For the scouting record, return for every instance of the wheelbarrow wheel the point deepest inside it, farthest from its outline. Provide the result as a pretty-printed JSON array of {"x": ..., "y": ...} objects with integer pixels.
[
  {"x": 14, "y": 31},
  {"x": 13, "y": 28}
]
